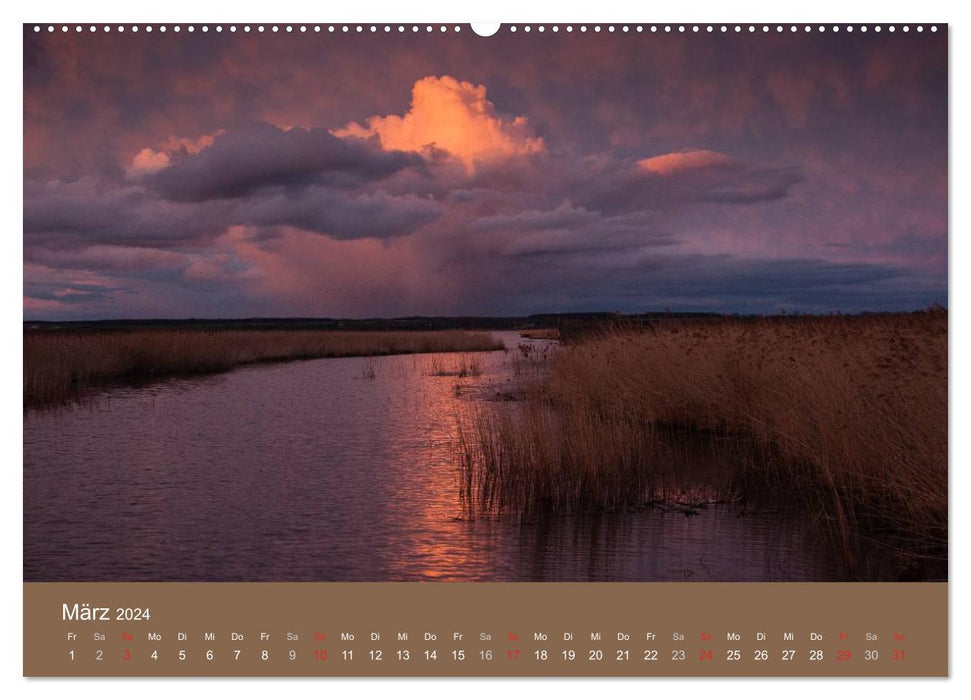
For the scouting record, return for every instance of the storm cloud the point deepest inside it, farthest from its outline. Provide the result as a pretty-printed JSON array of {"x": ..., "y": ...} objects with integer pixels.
[
  {"x": 238, "y": 175},
  {"x": 339, "y": 214},
  {"x": 243, "y": 161}
]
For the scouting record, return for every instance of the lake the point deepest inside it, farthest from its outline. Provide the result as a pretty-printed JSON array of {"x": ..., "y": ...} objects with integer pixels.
[{"x": 315, "y": 471}]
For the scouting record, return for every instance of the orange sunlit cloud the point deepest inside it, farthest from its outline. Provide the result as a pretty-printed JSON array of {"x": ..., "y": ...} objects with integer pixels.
[
  {"x": 693, "y": 159},
  {"x": 453, "y": 116},
  {"x": 148, "y": 161},
  {"x": 238, "y": 178}
]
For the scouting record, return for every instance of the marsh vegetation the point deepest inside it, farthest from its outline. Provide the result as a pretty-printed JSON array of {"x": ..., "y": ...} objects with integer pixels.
[
  {"x": 541, "y": 334},
  {"x": 62, "y": 365},
  {"x": 847, "y": 413}
]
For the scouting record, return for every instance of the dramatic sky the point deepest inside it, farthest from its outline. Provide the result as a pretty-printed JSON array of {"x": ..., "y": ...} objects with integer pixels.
[{"x": 351, "y": 175}]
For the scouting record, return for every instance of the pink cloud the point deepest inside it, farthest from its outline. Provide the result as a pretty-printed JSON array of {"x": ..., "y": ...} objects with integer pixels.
[
  {"x": 151, "y": 160},
  {"x": 176, "y": 143},
  {"x": 692, "y": 159},
  {"x": 147, "y": 161},
  {"x": 306, "y": 273},
  {"x": 453, "y": 116}
]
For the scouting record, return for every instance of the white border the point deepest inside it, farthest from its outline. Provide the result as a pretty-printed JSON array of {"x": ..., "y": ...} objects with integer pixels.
[{"x": 385, "y": 11}]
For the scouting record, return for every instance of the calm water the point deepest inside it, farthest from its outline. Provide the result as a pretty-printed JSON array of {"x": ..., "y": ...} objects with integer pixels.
[{"x": 311, "y": 471}]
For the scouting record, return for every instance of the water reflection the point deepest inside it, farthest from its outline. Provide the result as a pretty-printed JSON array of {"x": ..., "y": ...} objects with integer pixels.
[{"x": 313, "y": 471}]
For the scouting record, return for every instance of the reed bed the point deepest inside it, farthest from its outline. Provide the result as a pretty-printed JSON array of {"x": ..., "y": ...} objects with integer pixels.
[
  {"x": 464, "y": 365},
  {"x": 848, "y": 412},
  {"x": 541, "y": 334},
  {"x": 62, "y": 365}
]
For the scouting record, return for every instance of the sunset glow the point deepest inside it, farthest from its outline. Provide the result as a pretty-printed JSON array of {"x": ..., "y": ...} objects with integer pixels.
[{"x": 317, "y": 176}]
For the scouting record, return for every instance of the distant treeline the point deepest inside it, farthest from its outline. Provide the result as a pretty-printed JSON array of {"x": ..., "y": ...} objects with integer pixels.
[
  {"x": 409, "y": 323},
  {"x": 572, "y": 326}
]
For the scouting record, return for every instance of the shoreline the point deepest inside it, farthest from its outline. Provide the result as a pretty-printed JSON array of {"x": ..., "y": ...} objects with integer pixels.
[{"x": 63, "y": 366}]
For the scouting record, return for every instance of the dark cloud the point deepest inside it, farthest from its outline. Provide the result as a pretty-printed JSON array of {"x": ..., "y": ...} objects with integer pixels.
[
  {"x": 563, "y": 216},
  {"x": 164, "y": 176},
  {"x": 563, "y": 230},
  {"x": 245, "y": 160},
  {"x": 75, "y": 294},
  {"x": 85, "y": 212},
  {"x": 340, "y": 214},
  {"x": 631, "y": 281},
  {"x": 125, "y": 259},
  {"x": 100, "y": 225},
  {"x": 751, "y": 185},
  {"x": 621, "y": 186}
]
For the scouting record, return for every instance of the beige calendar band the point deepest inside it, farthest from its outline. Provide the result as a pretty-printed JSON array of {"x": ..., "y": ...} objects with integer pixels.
[{"x": 485, "y": 629}]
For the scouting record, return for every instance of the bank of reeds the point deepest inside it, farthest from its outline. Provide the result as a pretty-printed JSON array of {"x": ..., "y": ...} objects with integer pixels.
[
  {"x": 61, "y": 365},
  {"x": 541, "y": 334},
  {"x": 848, "y": 411}
]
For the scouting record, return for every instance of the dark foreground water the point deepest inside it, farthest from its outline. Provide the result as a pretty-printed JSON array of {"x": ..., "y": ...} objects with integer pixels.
[{"x": 313, "y": 471}]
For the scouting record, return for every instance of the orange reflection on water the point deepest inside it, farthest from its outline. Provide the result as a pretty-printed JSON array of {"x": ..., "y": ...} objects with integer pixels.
[{"x": 436, "y": 541}]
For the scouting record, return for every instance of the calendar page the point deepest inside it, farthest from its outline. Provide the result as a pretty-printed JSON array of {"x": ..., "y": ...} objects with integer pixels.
[{"x": 543, "y": 349}]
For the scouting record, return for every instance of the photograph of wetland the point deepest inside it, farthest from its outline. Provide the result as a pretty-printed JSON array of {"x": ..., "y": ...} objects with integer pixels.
[{"x": 400, "y": 306}]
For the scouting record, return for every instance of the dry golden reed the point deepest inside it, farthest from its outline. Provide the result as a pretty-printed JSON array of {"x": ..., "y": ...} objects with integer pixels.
[
  {"x": 851, "y": 410},
  {"x": 60, "y": 365},
  {"x": 541, "y": 334}
]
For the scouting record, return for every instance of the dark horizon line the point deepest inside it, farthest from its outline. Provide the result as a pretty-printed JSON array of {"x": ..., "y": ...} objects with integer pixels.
[{"x": 480, "y": 318}]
